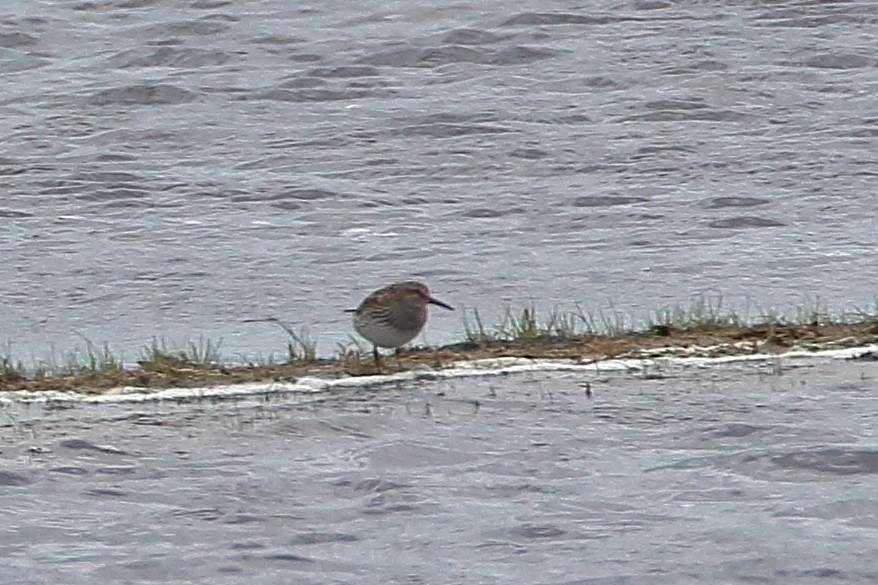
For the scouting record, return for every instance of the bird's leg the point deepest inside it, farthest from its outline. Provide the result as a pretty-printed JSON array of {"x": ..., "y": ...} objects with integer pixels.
[
  {"x": 377, "y": 358},
  {"x": 398, "y": 353}
]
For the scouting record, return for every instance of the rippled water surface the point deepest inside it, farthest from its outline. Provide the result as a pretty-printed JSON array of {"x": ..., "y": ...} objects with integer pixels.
[
  {"x": 762, "y": 473},
  {"x": 171, "y": 168}
]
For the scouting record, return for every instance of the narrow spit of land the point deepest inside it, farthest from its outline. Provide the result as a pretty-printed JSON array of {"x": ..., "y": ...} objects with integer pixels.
[{"x": 527, "y": 338}]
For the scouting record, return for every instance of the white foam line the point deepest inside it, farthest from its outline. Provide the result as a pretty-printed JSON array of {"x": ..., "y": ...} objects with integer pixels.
[{"x": 471, "y": 369}]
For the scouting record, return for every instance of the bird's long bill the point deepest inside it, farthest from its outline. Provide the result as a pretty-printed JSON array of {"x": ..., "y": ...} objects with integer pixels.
[{"x": 433, "y": 301}]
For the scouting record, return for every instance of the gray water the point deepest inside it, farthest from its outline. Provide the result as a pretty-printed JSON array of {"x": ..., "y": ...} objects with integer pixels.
[
  {"x": 749, "y": 473},
  {"x": 172, "y": 168}
]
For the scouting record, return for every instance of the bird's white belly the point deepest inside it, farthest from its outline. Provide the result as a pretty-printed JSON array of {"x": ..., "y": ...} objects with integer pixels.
[{"x": 382, "y": 335}]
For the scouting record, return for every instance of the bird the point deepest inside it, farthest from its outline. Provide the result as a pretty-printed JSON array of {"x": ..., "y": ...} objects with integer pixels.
[{"x": 392, "y": 316}]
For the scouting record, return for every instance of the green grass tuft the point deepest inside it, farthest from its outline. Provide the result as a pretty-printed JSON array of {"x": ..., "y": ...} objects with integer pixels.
[
  {"x": 702, "y": 313},
  {"x": 528, "y": 324},
  {"x": 11, "y": 370},
  {"x": 92, "y": 359},
  {"x": 162, "y": 355},
  {"x": 300, "y": 346}
]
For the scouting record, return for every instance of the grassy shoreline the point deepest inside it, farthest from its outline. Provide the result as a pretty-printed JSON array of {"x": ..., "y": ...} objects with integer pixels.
[{"x": 700, "y": 329}]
